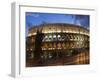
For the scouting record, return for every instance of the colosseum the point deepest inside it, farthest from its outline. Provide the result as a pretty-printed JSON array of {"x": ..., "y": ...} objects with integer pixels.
[{"x": 54, "y": 44}]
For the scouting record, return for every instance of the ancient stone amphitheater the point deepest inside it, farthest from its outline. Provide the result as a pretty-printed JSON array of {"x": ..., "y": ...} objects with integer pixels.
[{"x": 57, "y": 44}]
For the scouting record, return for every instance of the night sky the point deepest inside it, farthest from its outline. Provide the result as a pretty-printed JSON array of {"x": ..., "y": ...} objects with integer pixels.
[{"x": 33, "y": 19}]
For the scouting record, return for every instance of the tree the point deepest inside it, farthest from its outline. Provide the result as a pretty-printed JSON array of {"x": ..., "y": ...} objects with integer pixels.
[{"x": 38, "y": 43}]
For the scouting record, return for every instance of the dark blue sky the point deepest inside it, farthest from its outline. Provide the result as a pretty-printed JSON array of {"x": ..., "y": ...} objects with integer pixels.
[{"x": 33, "y": 18}]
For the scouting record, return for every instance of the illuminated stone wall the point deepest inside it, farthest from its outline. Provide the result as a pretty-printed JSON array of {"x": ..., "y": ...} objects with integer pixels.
[{"x": 60, "y": 40}]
